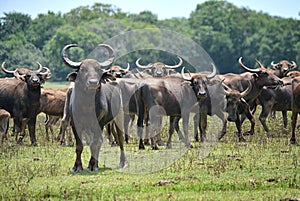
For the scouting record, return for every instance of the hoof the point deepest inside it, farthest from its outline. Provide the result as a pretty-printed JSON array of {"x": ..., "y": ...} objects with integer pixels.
[
  {"x": 123, "y": 164},
  {"x": 189, "y": 146},
  {"x": 160, "y": 143},
  {"x": 293, "y": 141},
  {"x": 270, "y": 135},
  {"x": 169, "y": 146},
  {"x": 93, "y": 169},
  {"x": 147, "y": 142},
  {"x": 249, "y": 133},
  {"x": 155, "y": 147},
  {"x": 141, "y": 147},
  {"x": 76, "y": 169},
  {"x": 241, "y": 139}
]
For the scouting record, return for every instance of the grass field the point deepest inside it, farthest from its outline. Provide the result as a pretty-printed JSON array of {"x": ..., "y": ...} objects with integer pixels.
[{"x": 260, "y": 169}]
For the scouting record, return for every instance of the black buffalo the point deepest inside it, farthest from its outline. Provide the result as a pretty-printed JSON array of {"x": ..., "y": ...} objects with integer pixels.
[
  {"x": 94, "y": 102},
  {"x": 20, "y": 96}
]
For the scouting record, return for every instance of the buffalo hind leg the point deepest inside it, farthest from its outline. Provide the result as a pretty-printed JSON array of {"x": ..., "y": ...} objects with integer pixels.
[
  {"x": 123, "y": 161},
  {"x": 294, "y": 121}
]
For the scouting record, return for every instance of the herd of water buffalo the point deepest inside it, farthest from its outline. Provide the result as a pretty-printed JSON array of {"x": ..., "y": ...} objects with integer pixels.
[{"x": 104, "y": 96}]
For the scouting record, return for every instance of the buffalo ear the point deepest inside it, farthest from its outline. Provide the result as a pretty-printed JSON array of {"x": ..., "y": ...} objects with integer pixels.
[
  {"x": 71, "y": 77},
  {"x": 107, "y": 77},
  {"x": 254, "y": 75}
]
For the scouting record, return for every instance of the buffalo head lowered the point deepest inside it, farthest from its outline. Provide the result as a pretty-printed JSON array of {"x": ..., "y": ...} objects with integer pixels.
[
  {"x": 34, "y": 79},
  {"x": 90, "y": 73},
  {"x": 158, "y": 69}
]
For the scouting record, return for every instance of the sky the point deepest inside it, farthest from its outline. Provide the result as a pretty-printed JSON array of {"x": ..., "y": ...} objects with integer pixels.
[{"x": 162, "y": 8}]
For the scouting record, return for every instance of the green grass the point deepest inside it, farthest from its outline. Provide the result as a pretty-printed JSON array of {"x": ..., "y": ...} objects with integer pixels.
[{"x": 261, "y": 169}]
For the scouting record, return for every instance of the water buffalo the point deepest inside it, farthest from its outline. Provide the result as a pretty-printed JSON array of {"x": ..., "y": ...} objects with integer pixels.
[
  {"x": 295, "y": 106},
  {"x": 259, "y": 78},
  {"x": 276, "y": 98},
  {"x": 169, "y": 96},
  {"x": 94, "y": 102},
  {"x": 20, "y": 96},
  {"x": 283, "y": 67},
  {"x": 52, "y": 103},
  {"x": 4, "y": 122},
  {"x": 235, "y": 106},
  {"x": 118, "y": 71},
  {"x": 158, "y": 69}
]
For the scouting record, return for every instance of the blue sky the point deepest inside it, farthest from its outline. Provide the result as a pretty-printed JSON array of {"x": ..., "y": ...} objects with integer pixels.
[{"x": 179, "y": 8}]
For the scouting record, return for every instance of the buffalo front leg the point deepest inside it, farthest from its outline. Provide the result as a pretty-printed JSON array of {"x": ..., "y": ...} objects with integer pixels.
[
  {"x": 284, "y": 118},
  {"x": 239, "y": 129},
  {"x": 196, "y": 125},
  {"x": 31, "y": 128},
  {"x": 79, "y": 148},
  {"x": 95, "y": 149}
]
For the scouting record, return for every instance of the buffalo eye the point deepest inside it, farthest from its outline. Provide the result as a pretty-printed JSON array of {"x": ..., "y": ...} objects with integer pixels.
[{"x": 264, "y": 74}]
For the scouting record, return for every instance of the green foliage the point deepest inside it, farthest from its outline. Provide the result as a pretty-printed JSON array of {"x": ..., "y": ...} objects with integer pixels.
[{"x": 224, "y": 30}]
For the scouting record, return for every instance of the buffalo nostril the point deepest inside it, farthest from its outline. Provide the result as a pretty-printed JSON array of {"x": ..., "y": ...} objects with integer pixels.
[
  {"x": 35, "y": 80},
  {"x": 93, "y": 82},
  {"x": 202, "y": 93}
]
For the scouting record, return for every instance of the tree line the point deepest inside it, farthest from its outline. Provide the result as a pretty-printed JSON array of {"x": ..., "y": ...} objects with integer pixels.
[{"x": 224, "y": 30}]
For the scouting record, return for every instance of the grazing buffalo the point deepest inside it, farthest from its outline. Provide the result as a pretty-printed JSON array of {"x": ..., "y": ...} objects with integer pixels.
[
  {"x": 20, "y": 96},
  {"x": 158, "y": 69},
  {"x": 94, "y": 102},
  {"x": 4, "y": 122}
]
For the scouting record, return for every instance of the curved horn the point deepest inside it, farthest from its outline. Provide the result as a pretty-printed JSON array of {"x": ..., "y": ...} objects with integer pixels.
[
  {"x": 246, "y": 68},
  {"x": 137, "y": 63},
  {"x": 47, "y": 73},
  {"x": 18, "y": 76},
  {"x": 111, "y": 58},
  {"x": 294, "y": 65},
  {"x": 183, "y": 76},
  {"x": 274, "y": 66},
  {"x": 226, "y": 89},
  {"x": 175, "y": 66},
  {"x": 5, "y": 70},
  {"x": 214, "y": 72},
  {"x": 65, "y": 58},
  {"x": 40, "y": 68},
  {"x": 244, "y": 93},
  {"x": 259, "y": 63},
  {"x": 127, "y": 69}
]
